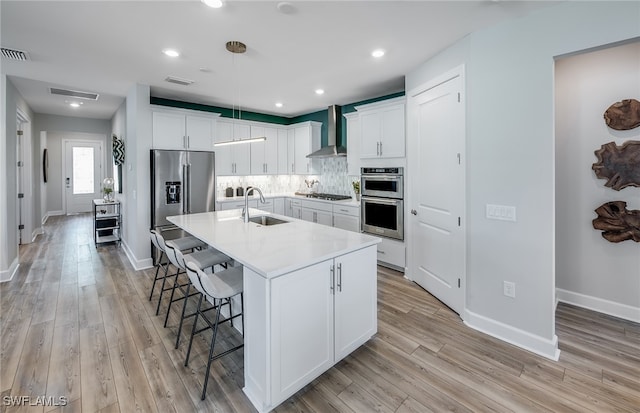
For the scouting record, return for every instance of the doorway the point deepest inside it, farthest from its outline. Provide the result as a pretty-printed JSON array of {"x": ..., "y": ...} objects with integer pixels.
[
  {"x": 82, "y": 171},
  {"x": 24, "y": 182},
  {"x": 436, "y": 223}
]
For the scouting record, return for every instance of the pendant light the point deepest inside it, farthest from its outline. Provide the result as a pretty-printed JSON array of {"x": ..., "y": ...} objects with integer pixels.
[{"x": 237, "y": 47}]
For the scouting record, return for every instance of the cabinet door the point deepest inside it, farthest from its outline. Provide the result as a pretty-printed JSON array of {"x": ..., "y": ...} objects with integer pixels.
[
  {"x": 350, "y": 223},
  {"x": 307, "y": 215},
  {"x": 271, "y": 151},
  {"x": 302, "y": 149},
  {"x": 168, "y": 130},
  {"x": 353, "y": 144},
  {"x": 199, "y": 133},
  {"x": 302, "y": 328},
  {"x": 278, "y": 206},
  {"x": 393, "y": 137},
  {"x": 283, "y": 152},
  {"x": 241, "y": 154},
  {"x": 355, "y": 300},
  {"x": 224, "y": 163},
  {"x": 291, "y": 151},
  {"x": 296, "y": 212},
  {"x": 324, "y": 218},
  {"x": 257, "y": 152},
  {"x": 370, "y": 134}
]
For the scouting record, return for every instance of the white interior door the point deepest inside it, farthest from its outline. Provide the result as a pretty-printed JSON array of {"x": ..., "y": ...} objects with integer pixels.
[
  {"x": 83, "y": 174},
  {"x": 437, "y": 257}
]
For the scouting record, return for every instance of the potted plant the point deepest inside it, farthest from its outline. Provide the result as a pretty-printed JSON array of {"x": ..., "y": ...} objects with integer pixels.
[
  {"x": 356, "y": 189},
  {"x": 107, "y": 189}
]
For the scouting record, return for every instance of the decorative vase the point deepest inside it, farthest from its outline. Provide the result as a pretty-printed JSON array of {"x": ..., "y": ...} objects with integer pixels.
[{"x": 107, "y": 189}]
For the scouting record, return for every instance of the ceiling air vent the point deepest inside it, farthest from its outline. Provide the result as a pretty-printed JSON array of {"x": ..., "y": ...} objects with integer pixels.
[
  {"x": 178, "y": 81},
  {"x": 15, "y": 54},
  {"x": 74, "y": 93}
]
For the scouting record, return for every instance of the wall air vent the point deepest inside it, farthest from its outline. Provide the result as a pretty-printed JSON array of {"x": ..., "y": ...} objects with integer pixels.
[
  {"x": 178, "y": 81},
  {"x": 74, "y": 93},
  {"x": 15, "y": 54}
]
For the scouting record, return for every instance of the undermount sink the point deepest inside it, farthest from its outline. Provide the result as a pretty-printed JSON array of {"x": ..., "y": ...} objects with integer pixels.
[{"x": 267, "y": 220}]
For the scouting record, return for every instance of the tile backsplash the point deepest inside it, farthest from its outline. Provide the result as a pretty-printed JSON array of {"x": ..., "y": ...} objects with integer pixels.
[{"x": 332, "y": 180}]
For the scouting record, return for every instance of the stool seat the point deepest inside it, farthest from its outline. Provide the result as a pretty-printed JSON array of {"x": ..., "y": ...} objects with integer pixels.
[
  {"x": 187, "y": 243},
  {"x": 223, "y": 284},
  {"x": 206, "y": 258}
]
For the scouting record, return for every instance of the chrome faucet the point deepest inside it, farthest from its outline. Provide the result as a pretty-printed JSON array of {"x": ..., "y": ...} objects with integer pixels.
[{"x": 245, "y": 210}]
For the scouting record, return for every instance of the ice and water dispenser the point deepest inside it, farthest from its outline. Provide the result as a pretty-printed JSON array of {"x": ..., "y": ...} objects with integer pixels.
[{"x": 172, "y": 191}]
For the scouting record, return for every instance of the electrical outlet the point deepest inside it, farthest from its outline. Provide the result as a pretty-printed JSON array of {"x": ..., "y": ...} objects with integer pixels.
[
  {"x": 509, "y": 289},
  {"x": 501, "y": 212}
]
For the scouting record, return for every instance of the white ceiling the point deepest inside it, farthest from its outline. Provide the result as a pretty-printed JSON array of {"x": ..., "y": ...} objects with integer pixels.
[{"x": 107, "y": 46}]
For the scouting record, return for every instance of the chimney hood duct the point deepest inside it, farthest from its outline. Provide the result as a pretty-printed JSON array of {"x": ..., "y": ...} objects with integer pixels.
[{"x": 334, "y": 131}]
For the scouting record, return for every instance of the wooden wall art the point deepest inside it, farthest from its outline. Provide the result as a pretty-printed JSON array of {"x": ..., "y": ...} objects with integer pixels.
[
  {"x": 617, "y": 222},
  {"x": 623, "y": 115},
  {"x": 620, "y": 165}
]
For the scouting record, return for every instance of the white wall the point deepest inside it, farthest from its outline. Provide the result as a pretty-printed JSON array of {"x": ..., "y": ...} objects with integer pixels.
[
  {"x": 136, "y": 209},
  {"x": 11, "y": 102},
  {"x": 67, "y": 127},
  {"x": 587, "y": 264},
  {"x": 510, "y": 158}
]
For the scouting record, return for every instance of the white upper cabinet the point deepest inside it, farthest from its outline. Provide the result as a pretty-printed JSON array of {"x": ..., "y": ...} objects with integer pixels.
[
  {"x": 178, "y": 129},
  {"x": 283, "y": 152},
  {"x": 353, "y": 143},
  {"x": 264, "y": 155},
  {"x": 233, "y": 159},
  {"x": 382, "y": 129},
  {"x": 306, "y": 140}
]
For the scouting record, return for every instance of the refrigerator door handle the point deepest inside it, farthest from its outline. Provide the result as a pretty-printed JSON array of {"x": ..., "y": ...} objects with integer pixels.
[
  {"x": 188, "y": 198},
  {"x": 185, "y": 195}
]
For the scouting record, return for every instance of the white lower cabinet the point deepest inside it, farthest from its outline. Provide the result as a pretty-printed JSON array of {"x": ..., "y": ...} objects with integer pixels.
[
  {"x": 268, "y": 205},
  {"x": 392, "y": 252},
  {"x": 278, "y": 206},
  {"x": 223, "y": 206},
  {"x": 346, "y": 217},
  {"x": 318, "y": 315},
  {"x": 318, "y": 212}
]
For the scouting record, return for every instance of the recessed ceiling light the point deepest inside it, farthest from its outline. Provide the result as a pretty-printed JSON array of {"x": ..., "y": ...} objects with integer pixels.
[
  {"x": 377, "y": 53},
  {"x": 74, "y": 105},
  {"x": 216, "y": 4},
  {"x": 279, "y": 104},
  {"x": 171, "y": 52},
  {"x": 319, "y": 91}
]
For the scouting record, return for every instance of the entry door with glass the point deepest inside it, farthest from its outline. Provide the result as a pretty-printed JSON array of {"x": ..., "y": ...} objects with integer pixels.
[{"x": 83, "y": 173}]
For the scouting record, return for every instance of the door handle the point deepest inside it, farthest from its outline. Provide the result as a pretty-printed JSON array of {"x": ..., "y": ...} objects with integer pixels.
[
  {"x": 68, "y": 182},
  {"x": 414, "y": 212}
]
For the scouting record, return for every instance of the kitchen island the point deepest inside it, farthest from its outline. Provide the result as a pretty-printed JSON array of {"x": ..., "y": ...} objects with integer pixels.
[{"x": 310, "y": 296}]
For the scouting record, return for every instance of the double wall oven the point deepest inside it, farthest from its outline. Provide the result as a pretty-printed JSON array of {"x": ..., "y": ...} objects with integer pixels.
[{"x": 382, "y": 202}]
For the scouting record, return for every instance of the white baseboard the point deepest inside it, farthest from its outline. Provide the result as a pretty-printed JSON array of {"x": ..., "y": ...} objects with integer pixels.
[
  {"x": 600, "y": 305},
  {"x": 54, "y": 213},
  {"x": 136, "y": 263},
  {"x": 35, "y": 233},
  {"x": 7, "y": 275},
  {"x": 523, "y": 339}
]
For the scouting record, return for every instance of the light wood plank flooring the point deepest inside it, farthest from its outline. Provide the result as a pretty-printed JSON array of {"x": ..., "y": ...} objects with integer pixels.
[{"x": 76, "y": 322}]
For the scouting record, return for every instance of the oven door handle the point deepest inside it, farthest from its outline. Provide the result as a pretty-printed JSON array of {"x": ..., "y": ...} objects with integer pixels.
[
  {"x": 381, "y": 200},
  {"x": 381, "y": 177}
]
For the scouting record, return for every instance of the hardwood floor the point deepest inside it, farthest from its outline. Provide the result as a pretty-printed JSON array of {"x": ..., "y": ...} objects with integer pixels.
[{"x": 76, "y": 323}]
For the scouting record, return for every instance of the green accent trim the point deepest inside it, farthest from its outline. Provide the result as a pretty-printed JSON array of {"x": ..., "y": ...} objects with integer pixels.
[
  {"x": 224, "y": 112},
  {"x": 319, "y": 116}
]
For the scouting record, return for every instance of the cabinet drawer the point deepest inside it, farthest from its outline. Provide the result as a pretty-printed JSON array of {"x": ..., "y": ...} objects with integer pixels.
[
  {"x": 392, "y": 252},
  {"x": 346, "y": 210},
  {"x": 237, "y": 205},
  {"x": 320, "y": 206}
]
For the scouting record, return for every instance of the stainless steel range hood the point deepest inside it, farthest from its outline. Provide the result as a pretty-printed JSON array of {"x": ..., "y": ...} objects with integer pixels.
[{"x": 334, "y": 131}]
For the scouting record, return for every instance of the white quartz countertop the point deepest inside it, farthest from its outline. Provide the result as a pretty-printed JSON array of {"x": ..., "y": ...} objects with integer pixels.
[{"x": 271, "y": 250}]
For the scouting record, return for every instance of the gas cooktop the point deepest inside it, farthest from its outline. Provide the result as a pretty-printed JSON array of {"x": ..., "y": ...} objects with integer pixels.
[{"x": 327, "y": 197}]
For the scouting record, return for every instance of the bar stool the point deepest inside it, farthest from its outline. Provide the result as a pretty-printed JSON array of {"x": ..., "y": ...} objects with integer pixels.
[
  {"x": 185, "y": 244},
  {"x": 218, "y": 288},
  {"x": 206, "y": 258}
]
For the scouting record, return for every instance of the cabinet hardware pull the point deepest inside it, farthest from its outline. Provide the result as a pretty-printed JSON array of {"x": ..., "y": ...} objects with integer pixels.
[
  {"x": 377, "y": 148},
  {"x": 332, "y": 271},
  {"x": 340, "y": 277},
  {"x": 380, "y": 148}
]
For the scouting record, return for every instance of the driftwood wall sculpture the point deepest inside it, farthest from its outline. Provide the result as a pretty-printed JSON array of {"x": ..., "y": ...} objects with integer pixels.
[
  {"x": 617, "y": 222},
  {"x": 620, "y": 165},
  {"x": 623, "y": 115}
]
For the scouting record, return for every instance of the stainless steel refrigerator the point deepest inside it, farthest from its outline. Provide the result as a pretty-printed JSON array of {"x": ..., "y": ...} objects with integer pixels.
[{"x": 182, "y": 182}]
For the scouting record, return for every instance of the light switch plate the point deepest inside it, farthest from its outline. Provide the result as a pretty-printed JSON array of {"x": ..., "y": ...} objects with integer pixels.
[{"x": 501, "y": 212}]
